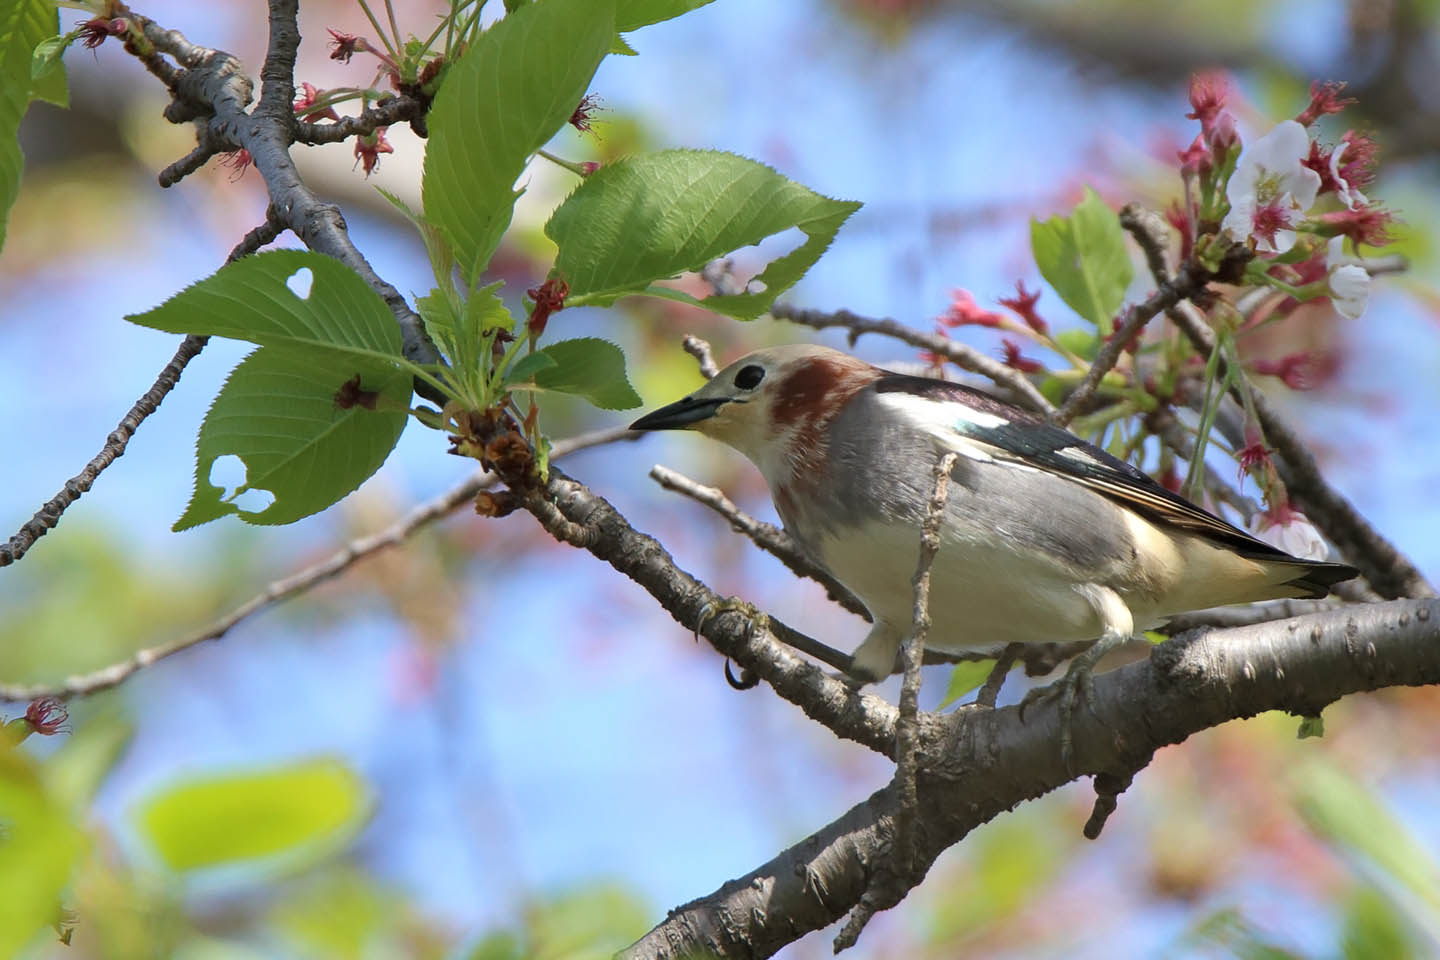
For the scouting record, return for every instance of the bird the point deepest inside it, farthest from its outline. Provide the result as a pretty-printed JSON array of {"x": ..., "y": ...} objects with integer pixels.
[{"x": 1045, "y": 537}]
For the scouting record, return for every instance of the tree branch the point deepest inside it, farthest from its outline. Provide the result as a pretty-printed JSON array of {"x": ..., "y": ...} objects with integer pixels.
[
  {"x": 578, "y": 516},
  {"x": 766, "y": 536},
  {"x": 45, "y": 519},
  {"x": 966, "y": 357},
  {"x": 212, "y": 86},
  {"x": 977, "y": 764},
  {"x": 297, "y": 583}
]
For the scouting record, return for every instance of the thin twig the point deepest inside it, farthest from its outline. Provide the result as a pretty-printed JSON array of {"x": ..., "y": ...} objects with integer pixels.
[
  {"x": 890, "y": 882},
  {"x": 45, "y": 519},
  {"x": 766, "y": 536},
  {"x": 1168, "y": 293},
  {"x": 964, "y": 356},
  {"x": 990, "y": 690},
  {"x": 299, "y": 582}
]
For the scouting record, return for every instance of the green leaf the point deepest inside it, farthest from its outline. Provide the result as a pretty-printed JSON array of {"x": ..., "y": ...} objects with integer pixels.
[
  {"x": 1084, "y": 258},
  {"x": 634, "y": 14},
  {"x": 249, "y": 300},
  {"x": 621, "y": 47},
  {"x": 278, "y": 413},
  {"x": 967, "y": 676},
  {"x": 1085, "y": 344},
  {"x": 299, "y": 811},
  {"x": 529, "y": 365},
  {"x": 23, "y": 25},
  {"x": 654, "y": 216},
  {"x": 1310, "y": 727},
  {"x": 47, "y": 71},
  {"x": 503, "y": 100},
  {"x": 590, "y": 367},
  {"x": 38, "y": 849}
]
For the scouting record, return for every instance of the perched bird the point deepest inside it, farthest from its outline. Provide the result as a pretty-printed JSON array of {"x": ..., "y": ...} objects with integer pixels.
[{"x": 1045, "y": 537}]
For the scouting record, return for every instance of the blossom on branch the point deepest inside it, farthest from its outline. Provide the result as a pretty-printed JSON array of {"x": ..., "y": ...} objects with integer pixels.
[
  {"x": 1349, "y": 282},
  {"x": 305, "y": 105},
  {"x": 1023, "y": 303},
  {"x": 1271, "y": 189},
  {"x": 368, "y": 149},
  {"x": 1324, "y": 98},
  {"x": 965, "y": 312}
]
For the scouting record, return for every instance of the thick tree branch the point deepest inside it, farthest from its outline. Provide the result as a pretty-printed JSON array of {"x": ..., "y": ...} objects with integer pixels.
[
  {"x": 212, "y": 86},
  {"x": 977, "y": 764},
  {"x": 575, "y": 514},
  {"x": 297, "y": 583}
]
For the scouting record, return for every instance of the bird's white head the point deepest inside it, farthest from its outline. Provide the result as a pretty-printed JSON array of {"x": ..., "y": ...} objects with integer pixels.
[{"x": 772, "y": 405}]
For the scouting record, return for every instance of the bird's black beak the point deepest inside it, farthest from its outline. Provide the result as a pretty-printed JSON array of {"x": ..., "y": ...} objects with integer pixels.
[{"x": 679, "y": 414}]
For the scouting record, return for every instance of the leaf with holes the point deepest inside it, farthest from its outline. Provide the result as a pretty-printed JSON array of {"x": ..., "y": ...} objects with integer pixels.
[
  {"x": 504, "y": 99},
  {"x": 306, "y": 429},
  {"x": 1083, "y": 257},
  {"x": 290, "y": 299},
  {"x": 24, "y": 25},
  {"x": 298, "y": 813},
  {"x": 586, "y": 366},
  {"x": 655, "y": 216}
]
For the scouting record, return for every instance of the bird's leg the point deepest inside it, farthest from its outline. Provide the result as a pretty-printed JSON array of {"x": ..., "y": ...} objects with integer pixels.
[{"x": 1079, "y": 681}]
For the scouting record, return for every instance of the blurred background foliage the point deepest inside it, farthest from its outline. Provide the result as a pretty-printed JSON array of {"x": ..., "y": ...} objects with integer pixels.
[{"x": 482, "y": 745}]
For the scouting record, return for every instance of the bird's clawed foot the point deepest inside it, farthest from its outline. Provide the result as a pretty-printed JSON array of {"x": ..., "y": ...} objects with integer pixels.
[
  {"x": 1078, "y": 684},
  {"x": 755, "y": 619}
]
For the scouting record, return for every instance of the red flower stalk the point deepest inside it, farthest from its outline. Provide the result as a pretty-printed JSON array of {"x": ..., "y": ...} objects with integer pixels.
[
  {"x": 305, "y": 105},
  {"x": 368, "y": 150},
  {"x": 1011, "y": 355},
  {"x": 1324, "y": 98},
  {"x": 1023, "y": 303},
  {"x": 46, "y": 715},
  {"x": 549, "y": 298},
  {"x": 964, "y": 311},
  {"x": 346, "y": 45},
  {"x": 1254, "y": 453},
  {"x": 1208, "y": 92},
  {"x": 1368, "y": 225},
  {"x": 93, "y": 32},
  {"x": 1195, "y": 159},
  {"x": 585, "y": 112},
  {"x": 238, "y": 161}
]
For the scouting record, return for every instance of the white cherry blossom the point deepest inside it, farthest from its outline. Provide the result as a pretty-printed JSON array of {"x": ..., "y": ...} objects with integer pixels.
[{"x": 1271, "y": 189}]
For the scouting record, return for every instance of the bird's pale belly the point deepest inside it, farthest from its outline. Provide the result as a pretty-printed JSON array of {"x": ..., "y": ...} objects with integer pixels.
[{"x": 981, "y": 594}]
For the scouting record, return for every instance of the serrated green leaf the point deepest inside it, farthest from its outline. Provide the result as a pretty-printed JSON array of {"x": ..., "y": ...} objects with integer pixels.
[
  {"x": 634, "y": 14},
  {"x": 24, "y": 24},
  {"x": 39, "y": 848},
  {"x": 621, "y": 47},
  {"x": 499, "y": 103},
  {"x": 1083, "y": 257},
  {"x": 654, "y": 216},
  {"x": 296, "y": 810},
  {"x": 278, "y": 413},
  {"x": 249, "y": 300},
  {"x": 47, "y": 72},
  {"x": 967, "y": 675},
  {"x": 591, "y": 368},
  {"x": 529, "y": 365}
]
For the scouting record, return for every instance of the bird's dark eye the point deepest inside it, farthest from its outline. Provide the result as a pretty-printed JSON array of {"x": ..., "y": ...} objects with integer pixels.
[{"x": 749, "y": 377}]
